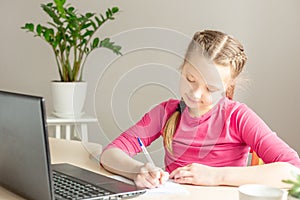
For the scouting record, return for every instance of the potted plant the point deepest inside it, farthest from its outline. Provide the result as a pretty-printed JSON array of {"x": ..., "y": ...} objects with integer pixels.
[
  {"x": 71, "y": 36},
  {"x": 294, "y": 191}
]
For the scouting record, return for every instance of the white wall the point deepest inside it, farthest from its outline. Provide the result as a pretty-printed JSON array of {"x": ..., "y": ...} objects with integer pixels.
[{"x": 268, "y": 29}]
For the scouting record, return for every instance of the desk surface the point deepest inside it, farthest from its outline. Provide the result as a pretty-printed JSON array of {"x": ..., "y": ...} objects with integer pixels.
[{"x": 74, "y": 152}]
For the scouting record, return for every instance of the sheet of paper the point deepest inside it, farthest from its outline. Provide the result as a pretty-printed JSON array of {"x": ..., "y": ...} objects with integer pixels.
[{"x": 168, "y": 187}]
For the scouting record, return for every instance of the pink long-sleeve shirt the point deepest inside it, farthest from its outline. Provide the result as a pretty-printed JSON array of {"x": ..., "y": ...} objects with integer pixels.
[{"x": 221, "y": 137}]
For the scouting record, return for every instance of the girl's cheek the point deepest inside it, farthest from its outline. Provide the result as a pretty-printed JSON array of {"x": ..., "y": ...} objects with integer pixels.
[
  {"x": 184, "y": 87},
  {"x": 207, "y": 98}
]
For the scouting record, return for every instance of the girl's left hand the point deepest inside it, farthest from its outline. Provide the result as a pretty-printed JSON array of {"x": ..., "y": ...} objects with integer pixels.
[{"x": 196, "y": 174}]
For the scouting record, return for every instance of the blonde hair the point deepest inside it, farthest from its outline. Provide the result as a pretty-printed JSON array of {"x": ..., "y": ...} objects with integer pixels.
[{"x": 223, "y": 50}]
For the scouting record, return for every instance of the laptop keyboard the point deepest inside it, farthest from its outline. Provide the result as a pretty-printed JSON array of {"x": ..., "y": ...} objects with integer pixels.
[{"x": 69, "y": 188}]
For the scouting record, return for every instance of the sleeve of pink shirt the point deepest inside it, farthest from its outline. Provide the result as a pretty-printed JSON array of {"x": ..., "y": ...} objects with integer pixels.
[
  {"x": 147, "y": 129},
  {"x": 268, "y": 146}
]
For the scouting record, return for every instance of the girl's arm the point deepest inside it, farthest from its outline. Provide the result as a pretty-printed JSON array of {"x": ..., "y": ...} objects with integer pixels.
[
  {"x": 253, "y": 131},
  {"x": 117, "y": 156},
  {"x": 269, "y": 174},
  {"x": 144, "y": 175},
  {"x": 118, "y": 162}
]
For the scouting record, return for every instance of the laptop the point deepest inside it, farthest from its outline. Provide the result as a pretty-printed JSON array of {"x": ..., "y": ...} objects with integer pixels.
[{"x": 25, "y": 164}]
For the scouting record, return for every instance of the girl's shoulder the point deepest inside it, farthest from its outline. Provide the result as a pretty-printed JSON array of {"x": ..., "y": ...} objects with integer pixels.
[
  {"x": 235, "y": 107},
  {"x": 166, "y": 107},
  {"x": 170, "y": 104},
  {"x": 234, "y": 103}
]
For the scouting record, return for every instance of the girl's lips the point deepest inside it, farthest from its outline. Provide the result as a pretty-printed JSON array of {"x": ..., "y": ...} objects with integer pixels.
[{"x": 192, "y": 100}]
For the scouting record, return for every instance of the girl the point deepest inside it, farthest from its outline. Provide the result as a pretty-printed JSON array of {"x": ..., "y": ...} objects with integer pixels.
[{"x": 207, "y": 136}]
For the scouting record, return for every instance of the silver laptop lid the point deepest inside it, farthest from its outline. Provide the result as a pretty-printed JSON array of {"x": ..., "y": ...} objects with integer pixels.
[{"x": 24, "y": 151}]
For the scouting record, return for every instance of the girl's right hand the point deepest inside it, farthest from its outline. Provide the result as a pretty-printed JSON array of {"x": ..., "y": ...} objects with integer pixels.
[{"x": 150, "y": 176}]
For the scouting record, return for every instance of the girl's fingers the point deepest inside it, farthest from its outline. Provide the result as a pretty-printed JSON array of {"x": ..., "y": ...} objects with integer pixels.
[
  {"x": 176, "y": 171},
  {"x": 186, "y": 180},
  {"x": 155, "y": 174},
  {"x": 153, "y": 182},
  {"x": 154, "y": 171},
  {"x": 164, "y": 177},
  {"x": 182, "y": 173},
  {"x": 144, "y": 180},
  {"x": 150, "y": 176}
]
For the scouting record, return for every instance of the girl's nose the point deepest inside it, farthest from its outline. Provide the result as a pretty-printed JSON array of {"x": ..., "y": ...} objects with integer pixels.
[{"x": 197, "y": 93}]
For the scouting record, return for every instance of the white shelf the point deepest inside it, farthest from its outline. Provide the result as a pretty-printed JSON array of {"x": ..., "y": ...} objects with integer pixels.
[
  {"x": 83, "y": 119},
  {"x": 68, "y": 123}
]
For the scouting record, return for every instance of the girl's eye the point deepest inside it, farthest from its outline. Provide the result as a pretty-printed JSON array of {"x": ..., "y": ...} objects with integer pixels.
[
  {"x": 190, "y": 78},
  {"x": 212, "y": 89}
]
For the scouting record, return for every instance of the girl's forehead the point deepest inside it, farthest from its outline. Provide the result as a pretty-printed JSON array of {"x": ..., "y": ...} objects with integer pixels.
[{"x": 206, "y": 71}]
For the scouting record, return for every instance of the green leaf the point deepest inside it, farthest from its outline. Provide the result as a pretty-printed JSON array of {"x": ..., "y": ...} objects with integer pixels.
[
  {"x": 86, "y": 25},
  {"x": 39, "y": 29},
  {"x": 54, "y": 44},
  {"x": 58, "y": 37},
  {"x": 52, "y": 14},
  {"x": 70, "y": 13},
  {"x": 104, "y": 42},
  {"x": 82, "y": 42},
  {"x": 28, "y": 26},
  {"x": 103, "y": 19},
  {"x": 93, "y": 24},
  {"x": 73, "y": 24},
  {"x": 295, "y": 191},
  {"x": 117, "y": 49},
  {"x": 115, "y": 9},
  {"x": 47, "y": 35},
  {"x": 49, "y": 4},
  {"x": 59, "y": 3},
  {"x": 52, "y": 24},
  {"x": 95, "y": 43},
  {"x": 89, "y": 15},
  {"x": 87, "y": 33},
  {"x": 71, "y": 9},
  {"x": 68, "y": 48},
  {"x": 288, "y": 181},
  {"x": 108, "y": 14},
  {"x": 110, "y": 45},
  {"x": 99, "y": 22},
  {"x": 60, "y": 6}
]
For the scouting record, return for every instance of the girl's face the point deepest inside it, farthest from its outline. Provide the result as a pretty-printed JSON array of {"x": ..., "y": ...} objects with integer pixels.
[{"x": 197, "y": 88}]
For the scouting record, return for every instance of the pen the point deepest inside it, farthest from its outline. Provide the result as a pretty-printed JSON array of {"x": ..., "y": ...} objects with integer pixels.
[{"x": 149, "y": 159}]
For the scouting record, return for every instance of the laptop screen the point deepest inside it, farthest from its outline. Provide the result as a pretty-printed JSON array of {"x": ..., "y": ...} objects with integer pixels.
[{"x": 24, "y": 153}]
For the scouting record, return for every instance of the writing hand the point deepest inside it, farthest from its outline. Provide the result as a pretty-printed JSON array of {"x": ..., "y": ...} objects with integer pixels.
[{"x": 150, "y": 176}]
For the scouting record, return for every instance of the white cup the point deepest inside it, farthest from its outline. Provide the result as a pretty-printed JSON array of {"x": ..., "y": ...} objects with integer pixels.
[{"x": 259, "y": 192}]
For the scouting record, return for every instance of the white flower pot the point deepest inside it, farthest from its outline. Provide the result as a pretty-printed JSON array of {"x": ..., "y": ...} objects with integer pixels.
[{"x": 68, "y": 98}]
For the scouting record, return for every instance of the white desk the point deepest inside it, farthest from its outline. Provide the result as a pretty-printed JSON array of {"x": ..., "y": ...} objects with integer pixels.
[
  {"x": 74, "y": 152},
  {"x": 80, "y": 123}
]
